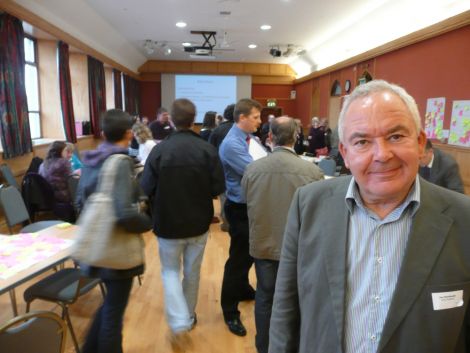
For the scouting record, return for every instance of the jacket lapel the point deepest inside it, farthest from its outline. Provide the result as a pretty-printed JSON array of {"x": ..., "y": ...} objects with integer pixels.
[
  {"x": 427, "y": 236},
  {"x": 335, "y": 254}
]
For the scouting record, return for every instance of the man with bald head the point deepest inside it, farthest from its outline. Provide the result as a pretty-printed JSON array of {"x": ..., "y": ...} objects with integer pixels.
[
  {"x": 269, "y": 185},
  {"x": 376, "y": 262}
]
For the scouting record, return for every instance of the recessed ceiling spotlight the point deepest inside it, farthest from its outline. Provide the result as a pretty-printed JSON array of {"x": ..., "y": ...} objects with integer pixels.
[
  {"x": 186, "y": 44},
  {"x": 181, "y": 24},
  {"x": 265, "y": 27},
  {"x": 252, "y": 46}
]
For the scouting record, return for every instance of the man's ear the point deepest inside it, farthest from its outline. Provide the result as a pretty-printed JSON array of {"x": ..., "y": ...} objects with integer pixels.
[
  {"x": 422, "y": 143},
  {"x": 344, "y": 153}
]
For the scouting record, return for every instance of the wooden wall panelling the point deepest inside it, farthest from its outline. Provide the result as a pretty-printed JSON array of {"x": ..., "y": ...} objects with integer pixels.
[
  {"x": 79, "y": 82},
  {"x": 49, "y": 95},
  {"x": 204, "y": 67},
  {"x": 272, "y": 80},
  {"x": 235, "y": 68},
  {"x": 109, "y": 82},
  {"x": 257, "y": 69}
]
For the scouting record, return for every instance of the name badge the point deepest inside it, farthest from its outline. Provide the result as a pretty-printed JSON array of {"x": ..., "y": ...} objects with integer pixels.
[{"x": 447, "y": 300}]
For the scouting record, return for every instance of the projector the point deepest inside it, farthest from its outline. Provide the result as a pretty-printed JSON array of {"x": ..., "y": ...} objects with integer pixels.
[
  {"x": 275, "y": 52},
  {"x": 202, "y": 51}
]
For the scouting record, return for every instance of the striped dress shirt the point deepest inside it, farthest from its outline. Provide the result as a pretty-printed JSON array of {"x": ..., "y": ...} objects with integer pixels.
[{"x": 374, "y": 257}]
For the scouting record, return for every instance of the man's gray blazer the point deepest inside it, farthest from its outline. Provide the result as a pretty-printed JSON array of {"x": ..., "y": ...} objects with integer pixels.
[{"x": 308, "y": 311}]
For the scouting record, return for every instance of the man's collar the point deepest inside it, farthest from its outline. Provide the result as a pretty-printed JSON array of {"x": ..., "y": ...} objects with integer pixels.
[
  {"x": 353, "y": 196},
  {"x": 431, "y": 161},
  {"x": 290, "y": 149}
]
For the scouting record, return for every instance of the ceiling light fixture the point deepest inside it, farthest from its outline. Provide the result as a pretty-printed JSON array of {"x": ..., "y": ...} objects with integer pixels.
[
  {"x": 149, "y": 46},
  {"x": 181, "y": 24},
  {"x": 252, "y": 46},
  {"x": 186, "y": 44},
  {"x": 167, "y": 51},
  {"x": 265, "y": 27}
]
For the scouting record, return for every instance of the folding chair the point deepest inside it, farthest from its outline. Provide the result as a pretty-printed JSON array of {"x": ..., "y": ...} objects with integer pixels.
[
  {"x": 63, "y": 287},
  {"x": 328, "y": 166},
  {"x": 8, "y": 175},
  {"x": 38, "y": 332},
  {"x": 16, "y": 212}
]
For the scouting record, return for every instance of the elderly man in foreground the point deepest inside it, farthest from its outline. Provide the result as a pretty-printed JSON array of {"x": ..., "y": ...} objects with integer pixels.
[{"x": 380, "y": 261}]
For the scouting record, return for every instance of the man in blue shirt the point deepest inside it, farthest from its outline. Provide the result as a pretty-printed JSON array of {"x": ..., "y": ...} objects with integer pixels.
[{"x": 235, "y": 157}]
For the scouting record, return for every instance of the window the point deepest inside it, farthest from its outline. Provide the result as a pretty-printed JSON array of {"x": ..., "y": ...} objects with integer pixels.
[{"x": 32, "y": 86}]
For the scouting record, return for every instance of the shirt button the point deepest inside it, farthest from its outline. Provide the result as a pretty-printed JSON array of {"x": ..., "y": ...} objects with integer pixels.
[
  {"x": 380, "y": 259},
  {"x": 373, "y": 338},
  {"x": 377, "y": 299}
]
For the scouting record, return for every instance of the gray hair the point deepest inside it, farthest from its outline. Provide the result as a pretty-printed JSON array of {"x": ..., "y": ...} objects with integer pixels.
[
  {"x": 284, "y": 131},
  {"x": 376, "y": 86}
]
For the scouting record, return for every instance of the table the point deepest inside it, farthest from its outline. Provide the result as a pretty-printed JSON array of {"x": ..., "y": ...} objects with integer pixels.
[{"x": 12, "y": 276}]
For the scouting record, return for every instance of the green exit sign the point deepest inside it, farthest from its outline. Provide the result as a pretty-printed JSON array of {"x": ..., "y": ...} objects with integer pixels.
[{"x": 271, "y": 102}]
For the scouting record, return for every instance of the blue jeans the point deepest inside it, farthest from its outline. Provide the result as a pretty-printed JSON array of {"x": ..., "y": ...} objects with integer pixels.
[
  {"x": 105, "y": 334},
  {"x": 181, "y": 296},
  {"x": 266, "y": 274}
]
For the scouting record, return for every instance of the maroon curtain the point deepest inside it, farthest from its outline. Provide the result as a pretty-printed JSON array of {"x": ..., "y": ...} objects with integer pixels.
[
  {"x": 131, "y": 95},
  {"x": 117, "y": 89},
  {"x": 65, "y": 84},
  {"x": 14, "y": 121},
  {"x": 97, "y": 93}
]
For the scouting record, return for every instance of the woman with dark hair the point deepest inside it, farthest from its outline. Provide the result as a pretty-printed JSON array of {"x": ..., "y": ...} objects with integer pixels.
[
  {"x": 208, "y": 124},
  {"x": 56, "y": 168}
]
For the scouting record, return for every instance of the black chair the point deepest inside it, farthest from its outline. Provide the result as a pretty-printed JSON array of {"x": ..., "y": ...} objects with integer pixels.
[
  {"x": 39, "y": 197},
  {"x": 8, "y": 175},
  {"x": 63, "y": 287},
  {"x": 38, "y": 332},
  {"x": 72, "y": 184},
  {"x": 34, "y": 165}
]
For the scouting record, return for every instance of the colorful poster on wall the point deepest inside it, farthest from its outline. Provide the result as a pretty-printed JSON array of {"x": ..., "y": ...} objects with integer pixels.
[
  {"x": 434, "y": 118},
  {"x": 460, "y": 124}
]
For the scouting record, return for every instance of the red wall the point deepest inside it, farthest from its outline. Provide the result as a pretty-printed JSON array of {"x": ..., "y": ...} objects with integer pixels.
[
  {"x": 282, "y": 94},
  {"x": 303, "y": 101},
  {"x": 436, "y": 67},
  {"x": 150, "y": 98}
]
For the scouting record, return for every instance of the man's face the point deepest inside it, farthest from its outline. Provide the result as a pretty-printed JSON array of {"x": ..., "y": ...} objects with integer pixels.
[
  {"x": 381, "y": 147},
  {"x": 163, "y": 117},
  {"x": 426, "y": 158},
  {"x": 251, "y": 122}
]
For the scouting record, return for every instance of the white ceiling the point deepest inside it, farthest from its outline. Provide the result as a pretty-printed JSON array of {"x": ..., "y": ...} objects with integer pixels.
[{"x": 330, "y": 30}]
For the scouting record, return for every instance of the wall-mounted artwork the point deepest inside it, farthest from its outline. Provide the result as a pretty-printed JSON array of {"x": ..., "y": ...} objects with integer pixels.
[
  {"x": 434, "y": 118},
  {"x": 460, "y": 124}
]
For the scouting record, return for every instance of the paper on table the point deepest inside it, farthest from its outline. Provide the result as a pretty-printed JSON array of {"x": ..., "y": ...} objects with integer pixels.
[
  {"x": 20, "y": 251},
  {"x": 255, "y": 150}
]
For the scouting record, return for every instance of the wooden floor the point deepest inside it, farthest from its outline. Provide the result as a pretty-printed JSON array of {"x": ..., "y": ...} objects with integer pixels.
[{"x": 145, "y": 328}]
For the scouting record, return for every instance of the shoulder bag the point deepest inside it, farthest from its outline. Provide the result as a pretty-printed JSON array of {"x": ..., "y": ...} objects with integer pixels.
[{"x": 100, "y": 241}]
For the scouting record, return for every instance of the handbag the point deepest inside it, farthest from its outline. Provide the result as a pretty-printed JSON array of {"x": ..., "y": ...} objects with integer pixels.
[{"x": 100, "y": 241}]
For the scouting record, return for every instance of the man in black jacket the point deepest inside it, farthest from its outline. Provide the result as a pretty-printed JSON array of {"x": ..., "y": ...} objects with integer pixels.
[
  {"x": 182, "y": 175},
  {"x": 218, "y": 134}
]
